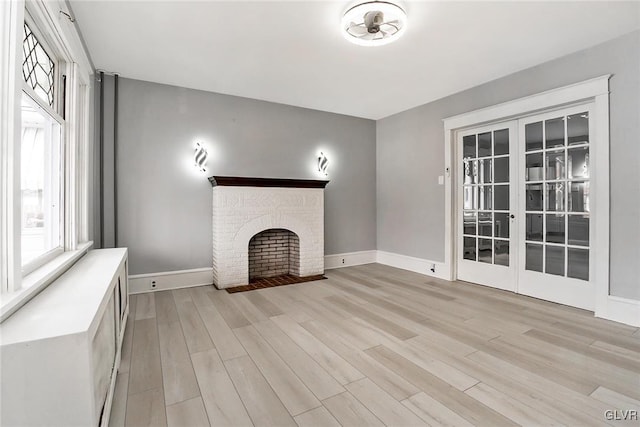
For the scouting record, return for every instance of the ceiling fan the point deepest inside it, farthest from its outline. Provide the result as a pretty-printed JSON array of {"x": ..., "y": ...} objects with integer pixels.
[{"x": 374, "y": 23}]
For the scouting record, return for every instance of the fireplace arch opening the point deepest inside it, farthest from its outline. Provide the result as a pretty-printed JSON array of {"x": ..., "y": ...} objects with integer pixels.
[{"x": 274, "y": 252}]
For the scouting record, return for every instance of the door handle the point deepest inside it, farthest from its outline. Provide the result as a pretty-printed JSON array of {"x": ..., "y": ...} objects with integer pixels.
[{"x": 512, "y": 216}]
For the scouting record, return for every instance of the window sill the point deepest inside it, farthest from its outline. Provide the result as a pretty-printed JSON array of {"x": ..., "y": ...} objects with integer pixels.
[{"x": 39, "y": 279}]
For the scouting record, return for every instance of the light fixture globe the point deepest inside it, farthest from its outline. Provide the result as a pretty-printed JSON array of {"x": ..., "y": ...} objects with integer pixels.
[{"x": 374, "y": 23}]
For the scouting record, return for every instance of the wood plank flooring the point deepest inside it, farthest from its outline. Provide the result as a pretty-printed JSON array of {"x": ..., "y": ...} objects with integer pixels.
[{"x": 372, "y": 346}]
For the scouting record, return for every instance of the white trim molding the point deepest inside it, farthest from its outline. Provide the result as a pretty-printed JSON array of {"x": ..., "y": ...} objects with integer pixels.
[
  {"x": 417, "y": 265},
  {"x": 142, "y": 283},
  {"x": 11, "y": 21},
  {"x": 594, "y": 90},
  {"x": 558, "y": 97},
  {"x": 349, "y": 259},
  {"x": 64, "y": 34},
  {"x": 621, "y": 310},
  {"x": 153, "y": 282}
]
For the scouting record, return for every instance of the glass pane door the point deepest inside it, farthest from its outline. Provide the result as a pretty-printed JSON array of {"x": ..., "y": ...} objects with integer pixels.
[
  {"x": 485, "y": 223},
  {"x": 555, "y": 182}
]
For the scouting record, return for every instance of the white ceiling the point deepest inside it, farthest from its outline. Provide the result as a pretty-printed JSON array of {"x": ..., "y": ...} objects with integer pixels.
[{"x": 293, "y": 52}]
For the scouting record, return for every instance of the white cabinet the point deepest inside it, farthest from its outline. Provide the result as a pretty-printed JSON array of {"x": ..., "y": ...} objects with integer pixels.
[{"x": 61, "y": 351}]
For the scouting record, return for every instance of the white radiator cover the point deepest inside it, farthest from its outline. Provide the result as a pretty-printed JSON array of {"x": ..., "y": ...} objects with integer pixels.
[
  {"x": 61, "y": 350},
  {"x": 241, "y": 212}
]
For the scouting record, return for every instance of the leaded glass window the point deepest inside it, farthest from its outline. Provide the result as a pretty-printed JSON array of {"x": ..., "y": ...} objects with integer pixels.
[{"x": 38, "y": 68}]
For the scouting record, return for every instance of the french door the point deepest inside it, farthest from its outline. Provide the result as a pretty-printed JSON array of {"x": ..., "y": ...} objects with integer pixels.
[
  {"x": 524, "y": 206},
  {"x": 487, "y": 204},
  {"x": 555, "y": 256}
]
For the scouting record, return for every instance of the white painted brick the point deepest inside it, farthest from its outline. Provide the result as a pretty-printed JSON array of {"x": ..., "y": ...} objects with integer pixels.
[{"x": 241, "y": 212}]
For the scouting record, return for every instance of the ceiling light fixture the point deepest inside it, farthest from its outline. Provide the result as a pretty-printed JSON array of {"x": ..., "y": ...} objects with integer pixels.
[{"x": 374, "y": 23}]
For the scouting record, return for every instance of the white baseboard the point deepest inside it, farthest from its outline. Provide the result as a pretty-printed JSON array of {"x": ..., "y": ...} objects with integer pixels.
[
  {"x": 141, "y": 283},
  {"x": 621, "y": 310},
  {"x": 417, "y": 265},
  {"x": 349, "y": 259}
]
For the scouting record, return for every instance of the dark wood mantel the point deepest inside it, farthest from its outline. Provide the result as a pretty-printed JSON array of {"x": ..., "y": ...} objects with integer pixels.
[{"x": 243, "y": 181}]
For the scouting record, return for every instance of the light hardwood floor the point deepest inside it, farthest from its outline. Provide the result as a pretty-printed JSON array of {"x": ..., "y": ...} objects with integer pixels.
[{"x": 372, "y": 345}]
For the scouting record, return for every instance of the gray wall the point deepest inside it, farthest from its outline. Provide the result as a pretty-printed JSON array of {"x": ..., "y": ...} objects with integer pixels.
[
  {"x": 410, "y": 156},
  {"x": 164, "y": 205}
]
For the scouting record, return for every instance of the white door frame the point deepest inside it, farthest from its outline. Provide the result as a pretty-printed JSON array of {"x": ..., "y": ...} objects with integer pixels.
[{"x": 595, "y": 90}]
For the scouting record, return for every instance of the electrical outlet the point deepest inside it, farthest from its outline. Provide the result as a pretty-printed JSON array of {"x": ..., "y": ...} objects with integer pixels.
[
  {"x": 343, "y": 260},
  {"x": 153, "y": 283}
]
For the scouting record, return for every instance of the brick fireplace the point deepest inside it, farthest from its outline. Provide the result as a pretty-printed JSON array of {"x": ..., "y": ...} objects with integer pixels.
[{"x": 263, "y": 213}]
